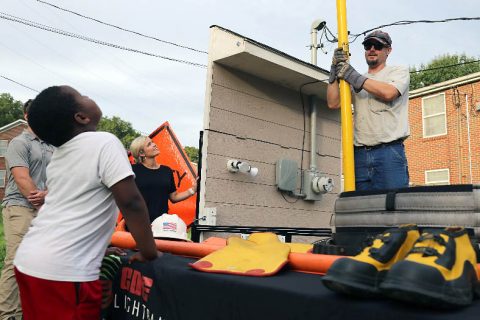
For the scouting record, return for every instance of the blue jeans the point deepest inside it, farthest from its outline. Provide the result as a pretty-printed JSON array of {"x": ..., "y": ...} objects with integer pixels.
[{"x": 383, "y": 167}]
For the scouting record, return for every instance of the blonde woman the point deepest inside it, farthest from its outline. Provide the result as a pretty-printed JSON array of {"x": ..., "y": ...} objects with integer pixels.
[{"x": 155, "y": 181}]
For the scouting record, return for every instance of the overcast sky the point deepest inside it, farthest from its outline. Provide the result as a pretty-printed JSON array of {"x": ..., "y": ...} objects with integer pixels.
[{"x": 147, "y": 91}]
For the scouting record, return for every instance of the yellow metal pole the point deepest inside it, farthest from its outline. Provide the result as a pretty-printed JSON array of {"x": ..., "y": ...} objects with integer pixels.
[{"x": 346, "y": 104}]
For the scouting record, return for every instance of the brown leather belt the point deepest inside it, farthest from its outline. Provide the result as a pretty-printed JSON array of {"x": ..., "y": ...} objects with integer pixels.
[{"x": 381, "y": 145}]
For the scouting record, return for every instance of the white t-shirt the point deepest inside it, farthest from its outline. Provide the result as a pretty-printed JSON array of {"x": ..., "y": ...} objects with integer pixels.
[
  {"x": 68, "y": 238},
  {"x": 377, "y": 121}
]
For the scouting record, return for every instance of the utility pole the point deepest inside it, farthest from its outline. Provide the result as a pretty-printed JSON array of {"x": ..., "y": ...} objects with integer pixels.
[
  {"x": 348, "y": 164},
  {"x": 317, "y": 25}
]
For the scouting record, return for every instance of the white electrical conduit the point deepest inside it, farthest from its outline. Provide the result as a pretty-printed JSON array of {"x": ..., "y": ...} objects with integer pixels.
[{"x": 468, "y": 138}]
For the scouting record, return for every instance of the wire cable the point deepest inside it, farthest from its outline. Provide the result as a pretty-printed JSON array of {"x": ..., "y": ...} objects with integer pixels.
[
  {"x": 397, "y": 23},
  {"x": 37, "y": 25},
  {"x": 20, "y": 84},
  {"x": 120, "y": 28},
  {"x": 444, "y": 67},
  {"x": 109, "y": 59},
  {"x": 72, "y": 61},
  {"x": 406, "y": 22},
  {"x": 334, "y": 39},
  {"x": 285, "y": 198}
]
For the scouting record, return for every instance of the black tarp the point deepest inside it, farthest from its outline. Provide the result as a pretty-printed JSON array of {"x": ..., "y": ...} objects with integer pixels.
[{"x": 169, "y": 289}]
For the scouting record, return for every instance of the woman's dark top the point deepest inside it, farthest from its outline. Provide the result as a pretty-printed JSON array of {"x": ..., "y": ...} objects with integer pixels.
[{"x": 155, "y": 185}]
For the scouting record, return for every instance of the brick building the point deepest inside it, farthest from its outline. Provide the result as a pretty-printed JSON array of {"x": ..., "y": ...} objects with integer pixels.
[
  {"x": 443, "y": 147},
  {"x": 7, "y": 133}
]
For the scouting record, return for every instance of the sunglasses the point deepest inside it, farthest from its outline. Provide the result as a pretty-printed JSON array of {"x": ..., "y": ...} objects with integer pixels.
[{"x": 376, "y": 45}]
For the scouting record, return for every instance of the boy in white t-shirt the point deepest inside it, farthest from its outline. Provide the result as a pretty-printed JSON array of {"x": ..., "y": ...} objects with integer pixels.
[{"x": 57, "y": 264}]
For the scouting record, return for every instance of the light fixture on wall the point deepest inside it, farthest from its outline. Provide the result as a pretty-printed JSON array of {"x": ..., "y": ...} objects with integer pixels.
[
  {"x": 235, "y": 166},
  {"x": 317, "y": 25}
]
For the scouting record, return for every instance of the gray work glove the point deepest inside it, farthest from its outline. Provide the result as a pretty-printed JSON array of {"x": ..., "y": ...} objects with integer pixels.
[
  {"x": 338, "y": 56},
  {"x": 346, "y": 72},
  {"x": 333, "y": 74}
]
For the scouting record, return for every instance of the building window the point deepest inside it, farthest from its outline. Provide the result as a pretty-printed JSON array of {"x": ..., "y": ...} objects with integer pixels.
[
  {"x": 437, "y": 177},
  {"x": 3, "y": 174},
  {"x": 3, "y": 147},
  {"x": 434, "y": 116}
]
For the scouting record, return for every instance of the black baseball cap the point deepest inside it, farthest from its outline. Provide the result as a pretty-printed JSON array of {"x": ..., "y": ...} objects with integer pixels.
[{"x": 380, "y": 36}]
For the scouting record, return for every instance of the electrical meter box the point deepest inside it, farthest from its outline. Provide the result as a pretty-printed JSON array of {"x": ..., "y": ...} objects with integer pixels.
[{"x": 286, "y": 175}]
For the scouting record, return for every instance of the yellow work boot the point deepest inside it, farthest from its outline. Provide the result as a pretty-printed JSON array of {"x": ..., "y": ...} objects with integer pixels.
[
  {"x": 361, "y": 275},
  {"x": 439, "y": 271}
]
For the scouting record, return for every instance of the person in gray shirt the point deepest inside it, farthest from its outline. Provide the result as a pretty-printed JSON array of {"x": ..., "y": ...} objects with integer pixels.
[
  {"x": 380, "y": 100},
  {"x": 27, "y": 158}
]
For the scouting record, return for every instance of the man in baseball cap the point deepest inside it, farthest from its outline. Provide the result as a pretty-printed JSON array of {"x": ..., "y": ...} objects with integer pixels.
[
  {"x": 380, "y": 98},
  {"x": 379, "y": 36}
]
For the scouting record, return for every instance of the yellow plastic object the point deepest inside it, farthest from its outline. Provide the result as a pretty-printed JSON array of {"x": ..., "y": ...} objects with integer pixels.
[
  {"x": 261, "y": 255},
  {"x": 346, "y": 104},
  {"x": 454, "y": 236},
  {"x": 300, "y": 247},
  {"x": 385, "y": 240},
  {"x": 438, "y": 271}
]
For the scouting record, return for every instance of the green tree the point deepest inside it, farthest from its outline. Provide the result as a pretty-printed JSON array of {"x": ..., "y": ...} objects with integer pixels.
[
  {"x": 192, "y": 153},
  {"x": 444, "y": 67},
  {"x": 122, "y": 129},
  {"x": 10, "y": 109}
]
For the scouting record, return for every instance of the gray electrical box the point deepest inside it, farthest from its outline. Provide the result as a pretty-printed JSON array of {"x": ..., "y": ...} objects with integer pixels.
[{"x": 286, "y": 175}]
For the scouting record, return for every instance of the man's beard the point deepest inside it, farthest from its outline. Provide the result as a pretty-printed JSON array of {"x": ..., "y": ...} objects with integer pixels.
[{"x": 372, "y": 63}]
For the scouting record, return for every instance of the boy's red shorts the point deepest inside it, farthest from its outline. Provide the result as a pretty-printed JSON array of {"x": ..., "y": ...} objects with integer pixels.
[{"x": 58, "y": 300}]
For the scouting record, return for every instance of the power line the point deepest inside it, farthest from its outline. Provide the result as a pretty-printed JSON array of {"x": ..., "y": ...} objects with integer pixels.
[
  {"x": 121, "y": 65},
  {"x": 398, "y": 23},
  {"x": 37, "y": 25},
  {"x": 406, "y": 22},
  {"x": 108, "y": 57},
  {"x": 20, "y": 84},
  {"x": 120, "y": 28},
  {"x": 444, "y": 67}
]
